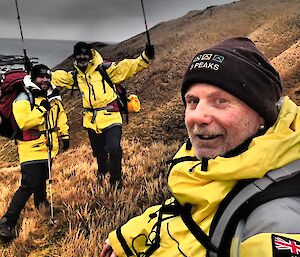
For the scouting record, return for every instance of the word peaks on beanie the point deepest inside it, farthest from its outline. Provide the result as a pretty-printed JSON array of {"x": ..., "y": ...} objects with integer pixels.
[{"x": 207, "y": 61}]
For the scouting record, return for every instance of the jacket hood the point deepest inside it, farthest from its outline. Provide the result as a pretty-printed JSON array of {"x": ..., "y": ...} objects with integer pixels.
[
  {"x": 30, "y": 87},
  {"x": 93, "y": 63},
  {"x": 277, "y": 147}
]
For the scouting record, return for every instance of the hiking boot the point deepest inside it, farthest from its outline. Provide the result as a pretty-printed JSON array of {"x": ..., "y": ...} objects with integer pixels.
[
  {"x": 41, "y": 203},
  {"x": 116, "y": 184},
  {"x": 101, "y": 179},
  {"x": 45, "y": 205},
  {"x": 6, "y": 229}
]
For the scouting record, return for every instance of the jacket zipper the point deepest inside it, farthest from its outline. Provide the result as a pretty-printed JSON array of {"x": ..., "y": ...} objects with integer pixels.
[{"x": 89, "y": 91}]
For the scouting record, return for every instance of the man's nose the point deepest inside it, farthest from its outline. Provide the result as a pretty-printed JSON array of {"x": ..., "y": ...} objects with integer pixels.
[
  {"x": 45, "y": 78},
  {"x": 203, "y": 114},
  {"x": 82, "y": 56}
]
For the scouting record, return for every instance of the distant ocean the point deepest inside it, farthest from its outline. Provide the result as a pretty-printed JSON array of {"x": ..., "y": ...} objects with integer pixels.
[{"x": 49, "y": 52}]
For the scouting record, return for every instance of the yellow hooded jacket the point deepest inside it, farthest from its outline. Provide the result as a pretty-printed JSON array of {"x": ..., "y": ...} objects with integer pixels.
[
  {"x": 204, "y": 190},
  {"x": 33, "y": 120},
  {"x": 96, "y": 93}
]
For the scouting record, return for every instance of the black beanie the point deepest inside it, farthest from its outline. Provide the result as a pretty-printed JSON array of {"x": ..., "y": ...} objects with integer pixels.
[
  {"x": 39, "y": 69},
  {"x": 82, "y": 47},
  {"x": 238, "y": 67}
]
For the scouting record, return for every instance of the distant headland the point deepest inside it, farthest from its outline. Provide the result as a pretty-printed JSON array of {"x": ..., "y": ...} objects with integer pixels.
[{"x": 13, "y": 61}]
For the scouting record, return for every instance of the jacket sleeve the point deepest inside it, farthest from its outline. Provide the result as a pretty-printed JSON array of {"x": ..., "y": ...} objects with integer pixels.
[
  {"x": 127, "y": 68},
  {"x": 63, "y": 128},
  {"x": 61, "y": 78},
  {"x": 26, "y": 117},
  {"x": 133, "y": 235}
]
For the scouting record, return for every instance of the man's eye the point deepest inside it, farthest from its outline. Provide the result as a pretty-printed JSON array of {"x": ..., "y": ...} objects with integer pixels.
[
  {"x": 192, "y": 101},
  {"x": 221, "y": 101},
  {"x": 85, "y": 56}
]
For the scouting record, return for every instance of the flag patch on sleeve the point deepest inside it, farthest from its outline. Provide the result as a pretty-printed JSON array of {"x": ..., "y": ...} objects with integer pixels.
[{"x": 285, "y": 247}]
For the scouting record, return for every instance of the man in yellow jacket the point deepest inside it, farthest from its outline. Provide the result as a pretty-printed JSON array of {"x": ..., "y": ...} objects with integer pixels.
[
  {"x": 102, "y": 117},
  {"x": 240, "y": 128},
  {"x": 36, "y": 111}
]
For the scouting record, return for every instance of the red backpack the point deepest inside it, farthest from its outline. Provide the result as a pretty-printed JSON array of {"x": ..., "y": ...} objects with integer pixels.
[{"x": 11, "y": 86}]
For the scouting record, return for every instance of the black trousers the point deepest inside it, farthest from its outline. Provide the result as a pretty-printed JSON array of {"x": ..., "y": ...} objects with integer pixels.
[
  {"x": 33, "y": 181},
  {"x": 107, "y": 149}
]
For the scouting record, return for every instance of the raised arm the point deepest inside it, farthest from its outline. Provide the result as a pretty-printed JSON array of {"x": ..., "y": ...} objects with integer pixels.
[
  {"x": 61, "y": 78},
  {"x": 129, "y": 67}
]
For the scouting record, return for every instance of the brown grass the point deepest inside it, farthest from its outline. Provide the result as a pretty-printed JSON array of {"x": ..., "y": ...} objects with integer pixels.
[{"x": 86, "y": 212}]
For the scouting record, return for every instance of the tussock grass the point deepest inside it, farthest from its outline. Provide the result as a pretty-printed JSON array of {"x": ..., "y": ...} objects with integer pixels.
[{"x": 85, "y": 212}]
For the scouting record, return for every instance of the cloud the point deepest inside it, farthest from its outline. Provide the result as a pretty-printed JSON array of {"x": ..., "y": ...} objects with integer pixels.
[{"x": 92, "y": 20}]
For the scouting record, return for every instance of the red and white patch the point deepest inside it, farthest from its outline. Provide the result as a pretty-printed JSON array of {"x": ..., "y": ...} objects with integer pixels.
[{"x": 285, "y": 247}]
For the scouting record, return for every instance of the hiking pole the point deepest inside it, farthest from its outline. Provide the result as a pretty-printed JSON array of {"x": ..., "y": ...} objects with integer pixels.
[
  {"x": 147, "y": 31},
  {"x": 27, "y": 62},
  {"x": 49, "y": 146}
]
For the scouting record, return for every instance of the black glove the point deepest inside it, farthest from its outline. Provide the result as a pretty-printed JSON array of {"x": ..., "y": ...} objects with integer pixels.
[
  {"x": 149, "y": 51},
  {"x": 66, "y": 144},
  {"x": 45, "y": 103}
]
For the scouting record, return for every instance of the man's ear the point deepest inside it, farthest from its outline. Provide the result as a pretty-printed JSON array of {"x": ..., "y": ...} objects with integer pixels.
[{"x": 262, "y": 123}]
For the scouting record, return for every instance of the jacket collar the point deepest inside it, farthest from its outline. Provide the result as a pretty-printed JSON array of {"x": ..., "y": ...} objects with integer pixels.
[
  {"x": 30, "y": 87},
  {"x": 93, "y": 63}
]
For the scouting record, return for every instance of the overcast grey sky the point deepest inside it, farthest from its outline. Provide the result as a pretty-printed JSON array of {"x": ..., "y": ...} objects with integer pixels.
[{"x": 90, "y": 20}]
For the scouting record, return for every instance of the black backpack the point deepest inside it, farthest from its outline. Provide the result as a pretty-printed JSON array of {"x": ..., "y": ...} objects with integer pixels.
[{"x": 122, "y": 98}]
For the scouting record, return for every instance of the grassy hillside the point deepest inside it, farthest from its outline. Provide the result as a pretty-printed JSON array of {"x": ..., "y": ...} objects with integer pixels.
[{"x": 84, "y": 211}]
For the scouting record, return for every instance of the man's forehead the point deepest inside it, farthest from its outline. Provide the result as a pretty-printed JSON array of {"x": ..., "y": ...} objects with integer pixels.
[
  {"x": 208, "y": 88},
  {"x": 208, "y": 91},
  {"x": 84, "y": 51}
]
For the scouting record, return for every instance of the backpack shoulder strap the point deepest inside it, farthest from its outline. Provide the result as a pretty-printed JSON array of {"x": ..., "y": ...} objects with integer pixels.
[
  {"x": 250, "y": 196},
  {"x": 22, "y": 96},
  {"x": 102, "y": 69},
  {"x": 74, "y": 76},
  {"x": 122, "y": 103},
  {"x": 28, "y": 96}
]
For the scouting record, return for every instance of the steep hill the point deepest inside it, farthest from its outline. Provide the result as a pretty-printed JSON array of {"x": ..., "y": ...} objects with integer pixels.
[
  {"x": 272, "y": 24},
  {"x": 275, "y": 31},
  {"x": 84, "y": 211}
]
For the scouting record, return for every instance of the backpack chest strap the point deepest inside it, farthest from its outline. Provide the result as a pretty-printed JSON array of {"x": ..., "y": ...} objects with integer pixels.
[{"x": 110, "y": 107}]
